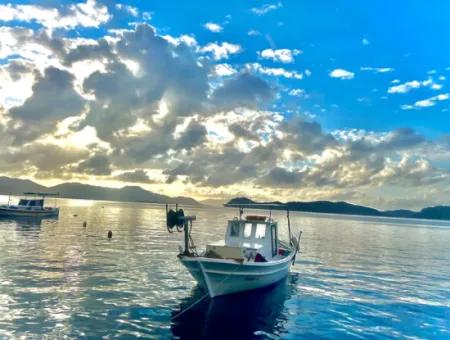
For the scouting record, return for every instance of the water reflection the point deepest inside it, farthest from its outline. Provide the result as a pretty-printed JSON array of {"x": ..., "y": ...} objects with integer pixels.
[
  {"x": 254, "y": 314},
  {"x": 24, "y": 223}
]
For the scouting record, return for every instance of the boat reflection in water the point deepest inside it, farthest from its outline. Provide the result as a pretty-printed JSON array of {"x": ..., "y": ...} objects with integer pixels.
[
  {"x": 253, "y": 314},
  {"x": 24, "y": 223}
]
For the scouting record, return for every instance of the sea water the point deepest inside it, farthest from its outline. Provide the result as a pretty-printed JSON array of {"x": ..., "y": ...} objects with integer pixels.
[{"x": 356, "y": 277}]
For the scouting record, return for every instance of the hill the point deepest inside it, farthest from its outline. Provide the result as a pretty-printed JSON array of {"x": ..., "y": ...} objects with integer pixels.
[
  {"x": 85, "y": 191},
  {"x": 435, "y": 213}
]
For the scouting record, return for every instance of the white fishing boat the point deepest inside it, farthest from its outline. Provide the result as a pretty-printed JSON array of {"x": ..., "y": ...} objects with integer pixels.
[
  {"x": 251, "y": 256},
  {"x": 33, "y": 206}
]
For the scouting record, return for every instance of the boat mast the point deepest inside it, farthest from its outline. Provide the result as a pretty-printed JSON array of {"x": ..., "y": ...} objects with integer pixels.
[{"x": 289, "y": 227}]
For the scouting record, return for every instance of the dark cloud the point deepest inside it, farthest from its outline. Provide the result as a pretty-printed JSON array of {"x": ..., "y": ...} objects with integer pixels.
[
  {"x": 53, "y": 99},
  {"x": 136, "y": 176},
  {"x": 195, "y": 134},
  {"x": 98, "y": 165},
  {"x": 280, "y": 177},
  {"x": 306, "y": 136},
  {"x": 243, "y": 132},
  {"x": 164, "y": 72},
  {"x": 245, "y": 89},
  {"x": 402, "y": 139}
]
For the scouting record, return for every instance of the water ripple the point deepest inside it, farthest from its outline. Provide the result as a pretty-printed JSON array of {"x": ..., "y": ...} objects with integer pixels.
[{"x": 355, "y": 278}]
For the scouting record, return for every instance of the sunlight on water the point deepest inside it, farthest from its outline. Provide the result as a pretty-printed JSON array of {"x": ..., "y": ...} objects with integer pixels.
[{"x": 356, "y": 277}]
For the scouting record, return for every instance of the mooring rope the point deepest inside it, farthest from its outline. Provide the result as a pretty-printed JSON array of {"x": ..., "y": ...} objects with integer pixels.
[{"x": 206, "y": 294}]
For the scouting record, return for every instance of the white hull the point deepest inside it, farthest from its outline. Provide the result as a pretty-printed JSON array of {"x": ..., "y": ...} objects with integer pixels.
[
  {"x": 8, "y": 212},
  {"x": 221, "y": 277}
]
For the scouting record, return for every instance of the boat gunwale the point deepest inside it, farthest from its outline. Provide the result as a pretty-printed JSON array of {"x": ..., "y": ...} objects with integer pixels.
[{"x": 231, "y": 261}]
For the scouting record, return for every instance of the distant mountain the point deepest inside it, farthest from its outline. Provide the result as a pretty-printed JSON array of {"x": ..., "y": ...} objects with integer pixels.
[
  {"x": 436, "y": 213},
  {"x": 15, "y": 186},
  {"x": 85, "y": 191}
]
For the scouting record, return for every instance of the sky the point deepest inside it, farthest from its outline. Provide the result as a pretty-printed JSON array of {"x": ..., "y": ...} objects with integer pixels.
[{"x": 273, "y": 100}]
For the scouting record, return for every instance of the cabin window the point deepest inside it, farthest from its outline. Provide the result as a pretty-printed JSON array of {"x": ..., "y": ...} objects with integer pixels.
[
  {"x": 247, "y": 230},
  {"x": 234, "y": 230},
  {"x": 260, "y": 230},
  {"x": 273, "y": 231}
]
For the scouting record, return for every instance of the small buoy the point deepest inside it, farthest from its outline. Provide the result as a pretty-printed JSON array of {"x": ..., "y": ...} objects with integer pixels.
[
  {"x": 84, "y": 224},
  {"x": 110, "y": 234},
  {"x": 75, "y": 215}
]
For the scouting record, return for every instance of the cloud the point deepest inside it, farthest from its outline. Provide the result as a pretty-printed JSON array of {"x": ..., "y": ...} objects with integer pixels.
[
  {"x": 133, "y": 11},
  {"x": 296, "y": 92},
  {"x": 414, "y": 84},
  {"x": 98, "y": 165},
  {"x": 88, "y": 14},
  {"x": 283, "y": 55},
  {"x": 224, "y": 70},
  {"x": 404, "y": 88},
  {"x": 264, "y": 9},
  {"x": 341, "y": 74},
  {"x": 427, "y": 102},
  {"x": 134, "y": 103},
  {"x": 377, "y": 69},
  {"x": 245, "y": 90},
  {"x": 280, "y": 177},
  {"x": 221, "y": 51},
  {"x": 193, "y": 135},
  {"x": 213, "y": 27},
  {"x": 136, "y": 176},
  {"x": 253, "y": 33},
  {"x": 53, "y": 99},
  {"x": 274, "y": 71}
]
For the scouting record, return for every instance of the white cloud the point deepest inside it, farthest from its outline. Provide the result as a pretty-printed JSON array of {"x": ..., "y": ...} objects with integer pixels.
[
  {"x": 414, "y": 84},
  {"x": 342, "y": 74},
  {"x": 275, "y": 71},
  {"x": 436, "y": 86},
  {"x": 147, "y": 16},
  {"x": 88, "y": 14},
  {"x": 129, "y": 9},
  {"x": 221, "y": 51},
  {"x": 222, "y": 70},
  {"x": 213, "y": 27},
  {"x": 185, "y": 39},
  {"x": 427, "y": 102},
  {"x": 377, "y": 69},
  {"x": 283, "y": 55},
  {"x": 296, "y": 92},
  {"x": 405, "y": 87},
  {"x": 253, "y": 33},
  {"x": 264, "y": 9}
]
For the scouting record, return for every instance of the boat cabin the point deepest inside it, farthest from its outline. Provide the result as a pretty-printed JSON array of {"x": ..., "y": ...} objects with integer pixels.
[
  {"x": 254, "y": 238},
  {"x": 31, "y": 203}
]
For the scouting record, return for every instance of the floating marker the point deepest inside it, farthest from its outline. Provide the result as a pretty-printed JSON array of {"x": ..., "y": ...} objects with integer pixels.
[
  {"x": 110, "y": 234},
  {"x": 84, "y": 224}
]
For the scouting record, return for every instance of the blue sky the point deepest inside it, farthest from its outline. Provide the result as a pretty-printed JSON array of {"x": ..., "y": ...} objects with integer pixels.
[
  {"x": 280, "y": 100},
  {"x": 411, "y": 37}
]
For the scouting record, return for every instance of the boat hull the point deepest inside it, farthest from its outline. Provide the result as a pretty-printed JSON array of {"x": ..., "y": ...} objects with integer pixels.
[
  {"x": 222, "y": 277},
  {"x": 7, "y": 212}
]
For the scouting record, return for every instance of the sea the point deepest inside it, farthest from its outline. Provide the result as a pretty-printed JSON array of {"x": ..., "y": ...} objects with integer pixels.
[{"x": 355, "y": 277}]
